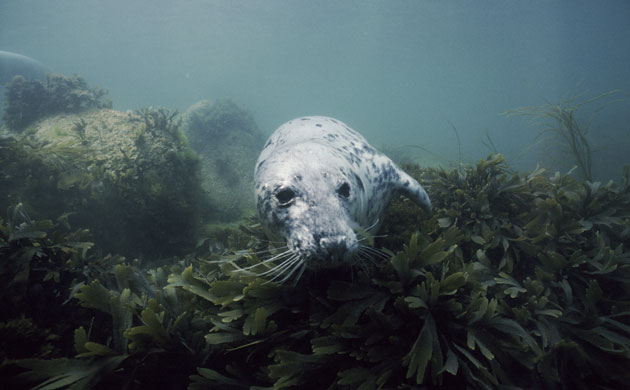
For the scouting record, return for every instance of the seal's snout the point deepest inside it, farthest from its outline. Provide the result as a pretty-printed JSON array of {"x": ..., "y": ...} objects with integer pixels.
[
  {"x": 334, "y": 246},
  {"x": 333, "y": 251}
]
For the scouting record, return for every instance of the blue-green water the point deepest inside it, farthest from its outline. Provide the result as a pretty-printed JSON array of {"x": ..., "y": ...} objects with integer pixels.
[
  {"x": 401, "y": 72},
  {"x": 128, "y": 258}
]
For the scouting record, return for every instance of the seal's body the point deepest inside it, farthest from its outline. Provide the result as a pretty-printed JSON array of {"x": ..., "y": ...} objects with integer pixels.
[{"x": 317, "y": 180}]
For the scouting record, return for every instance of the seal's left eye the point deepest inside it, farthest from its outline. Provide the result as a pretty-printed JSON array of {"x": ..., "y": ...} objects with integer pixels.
[
  {"x": 344, "y": 190},
  {"x": 285, "y": 197}
]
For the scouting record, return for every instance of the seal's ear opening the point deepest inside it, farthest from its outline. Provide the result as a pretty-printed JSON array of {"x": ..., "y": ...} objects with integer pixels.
[{"x": 344, "y": 190}]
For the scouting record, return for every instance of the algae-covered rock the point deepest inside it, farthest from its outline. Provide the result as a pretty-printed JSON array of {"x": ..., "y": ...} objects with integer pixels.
[
  {"x": 229, "y": 142},
  {"x": 30, "y": 100},
  {"x": 129, "y": 177}
]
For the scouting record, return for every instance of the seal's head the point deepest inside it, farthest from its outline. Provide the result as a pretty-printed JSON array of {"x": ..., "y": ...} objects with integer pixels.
[{"x": 310, "y": 202}]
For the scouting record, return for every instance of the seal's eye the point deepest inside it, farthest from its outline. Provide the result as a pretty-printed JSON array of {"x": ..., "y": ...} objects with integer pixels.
[
  {"x": 285, "y": 197},
  {"x": 344, "y": 190}
]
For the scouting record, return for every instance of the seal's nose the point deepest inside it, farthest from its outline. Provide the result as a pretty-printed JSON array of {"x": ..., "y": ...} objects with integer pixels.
[{"x": 334, "y": 246}]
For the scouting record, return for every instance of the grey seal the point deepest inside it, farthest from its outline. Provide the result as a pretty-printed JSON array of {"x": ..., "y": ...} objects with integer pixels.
[
  {"x": 13, "y": 64},
  {"x": 317, "y": 183}
]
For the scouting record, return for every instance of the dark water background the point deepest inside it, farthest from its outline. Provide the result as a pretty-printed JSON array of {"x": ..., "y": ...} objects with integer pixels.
[{"x": 401, "y": 72}]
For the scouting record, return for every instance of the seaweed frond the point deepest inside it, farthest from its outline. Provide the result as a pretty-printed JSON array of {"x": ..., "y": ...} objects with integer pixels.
[
  {"x": 160, "y": 119},
  {"x": 560, "y": 121}
]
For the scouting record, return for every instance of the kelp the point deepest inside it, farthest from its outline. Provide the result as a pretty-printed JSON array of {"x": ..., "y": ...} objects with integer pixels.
[{"x": 516, "y": 281}]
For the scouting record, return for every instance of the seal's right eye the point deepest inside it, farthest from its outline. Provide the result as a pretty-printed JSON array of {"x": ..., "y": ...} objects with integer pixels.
[{"x": 285, "y": 197}]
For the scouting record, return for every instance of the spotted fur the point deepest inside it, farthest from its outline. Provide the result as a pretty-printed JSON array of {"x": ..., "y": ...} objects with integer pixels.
[{"x": 317, "y": 180}]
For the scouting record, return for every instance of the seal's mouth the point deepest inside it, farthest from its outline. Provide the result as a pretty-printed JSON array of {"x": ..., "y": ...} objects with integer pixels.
[
  {"x": 313, "y": 253},
  {"x": 327, "y": 251}
]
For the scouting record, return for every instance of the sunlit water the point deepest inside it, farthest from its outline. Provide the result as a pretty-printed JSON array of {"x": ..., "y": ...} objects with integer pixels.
[{"x": 401, "y": 72}]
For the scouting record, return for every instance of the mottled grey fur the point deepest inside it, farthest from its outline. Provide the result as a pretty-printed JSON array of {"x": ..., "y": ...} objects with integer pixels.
[{"x": 317, "y": 180}]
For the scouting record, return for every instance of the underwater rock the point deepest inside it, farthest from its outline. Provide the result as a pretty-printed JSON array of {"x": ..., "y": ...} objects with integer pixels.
[
  {"x": 228, "y": 140},
  {"x": 135, "y": 186}
]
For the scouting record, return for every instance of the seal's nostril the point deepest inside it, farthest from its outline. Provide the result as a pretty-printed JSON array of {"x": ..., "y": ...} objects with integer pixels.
[
  {"x": 333, "y": 245},
  {"x": 331, "y": 242}
]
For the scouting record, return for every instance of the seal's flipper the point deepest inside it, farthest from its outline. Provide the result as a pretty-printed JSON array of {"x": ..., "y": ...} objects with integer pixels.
[{"x": 414, "y": 191}]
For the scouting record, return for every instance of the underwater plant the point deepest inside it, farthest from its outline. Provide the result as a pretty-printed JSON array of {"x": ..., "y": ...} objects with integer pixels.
[
  {"x": 79, "y": 128},
  {"x": 160, "y": 119},
  {"x": 516, "y": 281},
  {"x": 561, "y": 122}
]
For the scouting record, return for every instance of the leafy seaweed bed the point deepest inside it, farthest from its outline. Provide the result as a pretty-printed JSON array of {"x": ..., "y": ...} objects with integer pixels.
[{"x": 516, "y": 281}]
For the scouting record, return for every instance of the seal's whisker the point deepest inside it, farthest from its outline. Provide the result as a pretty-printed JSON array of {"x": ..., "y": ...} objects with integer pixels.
[
  {"x": 277, "y": 256},
  {"x": 367, "y": 229},
  {"x": 366, "y": 249},
  {"x": 299, "y": 275},
  {"x": 287, "y": 265},
  {"x": 271, "y": 259},
  {"x": 294, "y": 268},
  {"x": 360, "y": 261},
  {"x": 278, "y": 269},
  {"x": 371, "y": 257},
  {"x": 366, "y": 238},
  {"x": 260, "y": 252},
  {"x": 273, "y": 241},
  {"x": 364, "y": 257},
  {"x": 373, "y": 252}
]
